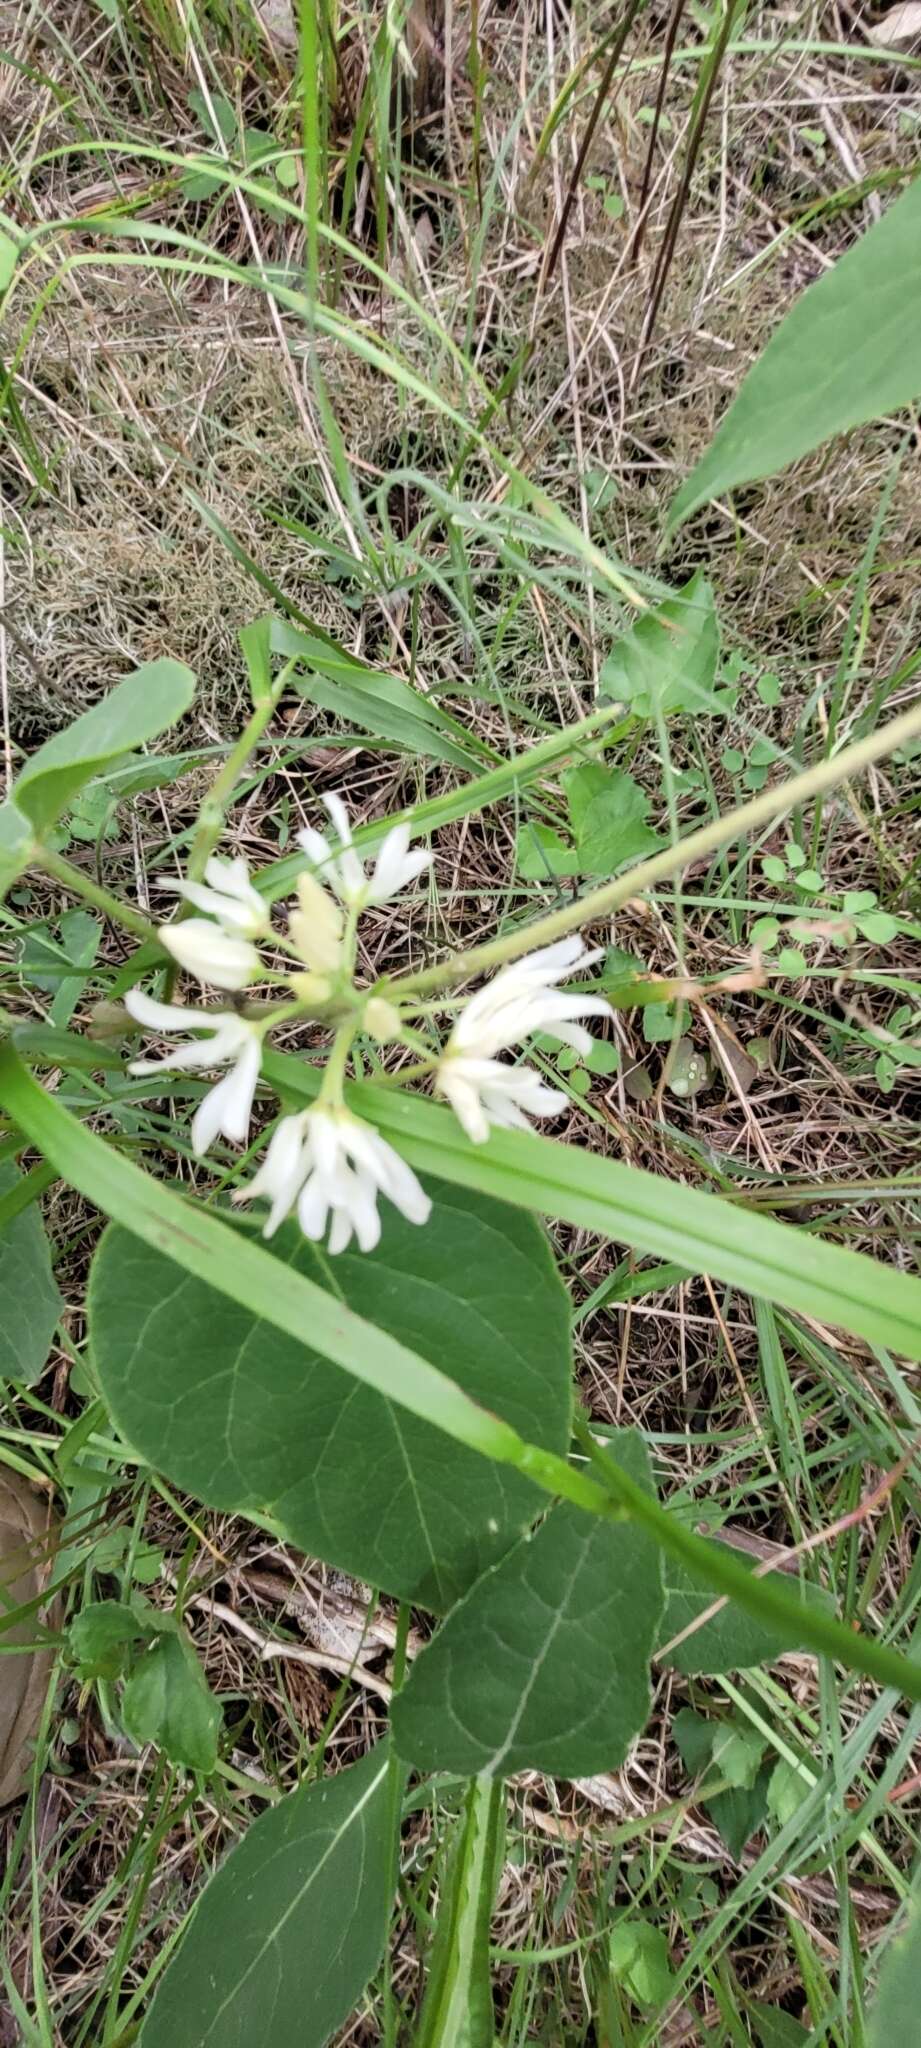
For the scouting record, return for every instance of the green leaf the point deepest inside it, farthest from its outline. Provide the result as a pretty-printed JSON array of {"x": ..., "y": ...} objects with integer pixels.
[
  {"x": 9, "y": 251},
  {"x": 138, "y": 709},
  {"x": 894, "y": 2016},
  {"x": 667, "y": 662},
  {"x": 16, "y": 840},
  {"x": 291, "y": 1926},
  {"x": 737, "y": 1753},
  {"x": 775, "y": 2028},
  {"x": 250, "y": 1419},
  {"x": 167, "y": 1700},
  {"x": 609, "y": 814},
  {"x": 545, "y": 1664},
  {"x": 786, "y": 1790},
  {"x": 846, "y": 352},
  {"x": 732, "y": 1640},
  {"x": 640, "y": 1961},
  {"x": 28, "y": 1290},
  {"x": 541, "y": 853},
  {"x": 49, "y": 963},
  {"x": 376, "y": 703},
  {"x": 102, "y": 1636},
  {"x": 737, "y": 1813}
]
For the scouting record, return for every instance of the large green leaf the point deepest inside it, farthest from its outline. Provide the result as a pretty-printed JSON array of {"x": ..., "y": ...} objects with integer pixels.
[
  {"x": 138, "y": 709},
  {"x": 28, "y": 1290},
  {"x": 703, "y": 1233},
  {"x": 247, "y": 1418},
  {"x": 545, "y": 1664},
  {"x": 846, "y": 352},
  {"x": 290, "y": 1927}
]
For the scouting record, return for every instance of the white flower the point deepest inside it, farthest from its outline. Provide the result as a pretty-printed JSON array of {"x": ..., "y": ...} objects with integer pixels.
[
  {"x": 394, "y": 868},
  {"x": 315, "y": 927},
  {"x": 334, "y": 1167},
  {"x": 210, "y": 953},
  {"x": 524, "y": 998},
  {"x": 233, "y": 1041},
  {"x": 483, "y": 1092},
  {"x": 230, "y": 897}
]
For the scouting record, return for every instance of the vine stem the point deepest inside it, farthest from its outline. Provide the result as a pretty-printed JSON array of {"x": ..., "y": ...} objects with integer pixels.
[
  {"x": 92, "y": 892},
  {"x": 211, "y": 815},
  {"x": 772, "y": 803}
]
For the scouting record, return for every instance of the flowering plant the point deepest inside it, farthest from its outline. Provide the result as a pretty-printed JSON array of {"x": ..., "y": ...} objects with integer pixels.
[{"x": 368, "y": 1344}]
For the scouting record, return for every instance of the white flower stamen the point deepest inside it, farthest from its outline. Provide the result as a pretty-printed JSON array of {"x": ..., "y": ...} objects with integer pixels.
[
  {"x": 232, "y": 1041},
  {"x": 333, "y": 1168},
  {"x": 393, "y": 870},
  {"x": 523, "y": 999}
]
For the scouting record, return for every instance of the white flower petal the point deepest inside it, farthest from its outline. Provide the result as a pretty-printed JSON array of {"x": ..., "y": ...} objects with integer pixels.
[
  {"x": 209, "y": 953},
  {"x": 340, "y": 1232},
  {"x": 160, "y": 1016},
  {"x": 317, "y": 849}
]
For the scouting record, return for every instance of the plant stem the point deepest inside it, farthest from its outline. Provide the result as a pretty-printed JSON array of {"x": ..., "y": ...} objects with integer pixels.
[
  {"x": 211, "y": 815},
  {"x": 83, "y": 885},
  {"x": 772, "y": 803}
]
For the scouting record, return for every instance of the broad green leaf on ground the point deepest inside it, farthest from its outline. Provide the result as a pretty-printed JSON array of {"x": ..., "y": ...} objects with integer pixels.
[
  {"x": 375, "y": 702},
  {"x": 667, "y": 661},
  {"x": 101, "y": 1637},
  {"x": 640, "y": 1961},
  {"x": 846, "y": 352},
  {"x": 248, "y": 1418},
  {"x": 540, "y": 853},
  {"x": 609, "y": 813},
  {"x": 136, "y": 710},
  {"x": 286, "y": 1934},
  {"x": 31, "y": 1303},
  {"x": 731, "y": 1640},
  {"x": 167, "y": 1700},
  {"x": 707, "y": 1748},
  {"x": 894, "y": 2013},
  {"x": 545, "y": 1664}
]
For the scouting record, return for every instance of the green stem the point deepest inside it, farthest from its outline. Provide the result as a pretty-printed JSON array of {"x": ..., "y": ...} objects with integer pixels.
[
  {"x": 772, "y": 803},
  {"x": 83, "y": 885},
  {"x": 211, "y": 815},
  {"x": 458, "y": 2009}
]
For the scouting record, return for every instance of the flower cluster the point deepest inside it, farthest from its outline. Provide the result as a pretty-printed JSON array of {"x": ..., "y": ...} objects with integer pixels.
[{"x": 325, "y": 1164}]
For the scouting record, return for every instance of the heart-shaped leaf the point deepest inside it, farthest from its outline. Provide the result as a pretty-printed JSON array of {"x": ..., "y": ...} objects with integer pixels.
[
  {"x": 248, "y": 1419},
  {"x": 545, "y": 1664}
]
